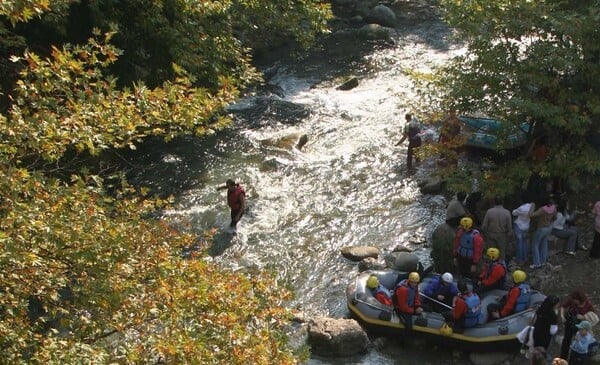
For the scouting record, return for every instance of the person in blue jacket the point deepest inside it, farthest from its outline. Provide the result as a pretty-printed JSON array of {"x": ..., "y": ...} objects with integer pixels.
[
  {"x": 582, "y": 344},
  {"x": 441, "y": 289}
]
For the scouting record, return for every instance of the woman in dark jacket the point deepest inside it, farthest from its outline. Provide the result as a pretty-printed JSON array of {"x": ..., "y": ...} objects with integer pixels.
[
  {"x": 546, "y": 322},
  {"x": 576, "y": 308}
]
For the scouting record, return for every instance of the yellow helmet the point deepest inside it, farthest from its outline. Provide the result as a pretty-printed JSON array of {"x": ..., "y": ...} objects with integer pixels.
[
  {"x": 519, "y": 276},
  {"x": 493, "y": 253},
  {"x": 414, "y": 277},
  {"x": 466, "y": 223},
  {"x": 446, "y": 329},
  {"x": 372, "y": 282}
]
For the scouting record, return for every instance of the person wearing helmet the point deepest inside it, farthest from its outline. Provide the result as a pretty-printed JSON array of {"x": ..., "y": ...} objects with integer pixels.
[
  {"x": 442, "y": 289},
  {"x": 467, "y": 307},
  {"x": 497, "y": 227},
  {"x": 407, "y": 299},
  {"x": 380, "y": 292},
  {"x": 468, "y": 248},
  {"x": 493, "y": 272},
  {"x": 515, "y": 301}
]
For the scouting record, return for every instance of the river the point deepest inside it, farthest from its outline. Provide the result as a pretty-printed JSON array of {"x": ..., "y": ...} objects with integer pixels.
[{"x": 347, "y": 186}]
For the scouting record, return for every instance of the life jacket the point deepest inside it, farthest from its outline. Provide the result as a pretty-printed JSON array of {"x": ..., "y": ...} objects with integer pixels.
[
  {"x": 413, "y": 131},
  {"x": 473, "y": 309},
  {"x": 381, "y": 289},
  {"x": 412, "y": 292},
  {"x": 490, "y": 268},
  {"x": 233, "y": 197},
  {"x": 437, "y": 287},
  {"x": 524, "y": 297},
  {"x": 466, "y": 247}
]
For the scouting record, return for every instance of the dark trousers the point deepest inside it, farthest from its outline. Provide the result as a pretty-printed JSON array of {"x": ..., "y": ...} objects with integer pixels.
[
  {"x": 412, "y": 146},
  {"x": 234, "y": 214},
  {"x": 464, "y": 268},
  {"x": 565, "y": 347},
  {"x": 578, "y": 359}
]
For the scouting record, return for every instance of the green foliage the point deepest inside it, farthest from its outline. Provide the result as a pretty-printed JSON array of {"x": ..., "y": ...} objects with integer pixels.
[
  {"x": 86, "y": 276},
  {"x": 528, "y": 61}
]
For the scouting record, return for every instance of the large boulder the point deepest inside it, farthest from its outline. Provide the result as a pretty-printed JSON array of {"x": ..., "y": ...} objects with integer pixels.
[
  {"x": 358, "y": 253},
  {"x": 402, "y": 261},
  {"x": 375, "y": 31},
  {"x": 336, "y": 337},
  {"x": 383, "y": 16}
]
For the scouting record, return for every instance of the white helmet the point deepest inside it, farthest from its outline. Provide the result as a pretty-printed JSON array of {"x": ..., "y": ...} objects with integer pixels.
[{"x": 447, "y": 278}]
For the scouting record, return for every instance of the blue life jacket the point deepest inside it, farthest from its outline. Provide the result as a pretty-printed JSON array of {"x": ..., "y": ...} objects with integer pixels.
[
  {"x": 466, "y": 244},
  {"x": 524, "y": 297},
  {"x": 411, "y": 292},
  {"x": 436, "y": 287},
  {"x": 382, "y": 289},
  {"x": 474, "y": 309},
  {"x": 490, "y": 268}
]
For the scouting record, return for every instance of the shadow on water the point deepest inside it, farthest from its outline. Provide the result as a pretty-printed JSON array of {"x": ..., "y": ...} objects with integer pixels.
[{"x": 221, "y": 242}]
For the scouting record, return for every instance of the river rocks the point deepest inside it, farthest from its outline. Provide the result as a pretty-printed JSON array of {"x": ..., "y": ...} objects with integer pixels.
[
  {"x": 432, "y": 186},
  {"x": 337, "y": 337},
  {"x": 349, "y": 84},
  {"x": 402, "y": 261},
  {"x": 375, "y": 31},
  {"x": 357, "y": 253},
  {"x": 370, "y": 263},
  {"x": 302, "y": 141},
  {"x": 382, "y": 15}
]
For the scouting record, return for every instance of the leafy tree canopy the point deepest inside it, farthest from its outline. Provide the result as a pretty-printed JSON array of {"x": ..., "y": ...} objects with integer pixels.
[
  {"x": 86, "y": 276},
  {"x": 532, "y": 61}
]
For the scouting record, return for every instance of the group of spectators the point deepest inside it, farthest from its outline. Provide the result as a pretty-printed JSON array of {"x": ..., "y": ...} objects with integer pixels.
[
  {"x": 511, "y": 236},
  {"x": 480, "y": 259}
]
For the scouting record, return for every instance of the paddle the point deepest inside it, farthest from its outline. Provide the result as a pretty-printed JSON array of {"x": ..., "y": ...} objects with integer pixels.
[{"x": 435, "y": 301}]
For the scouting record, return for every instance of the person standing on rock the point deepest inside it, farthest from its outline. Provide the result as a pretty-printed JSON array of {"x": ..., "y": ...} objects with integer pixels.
[
  {"x": 236, "y": 199},
  {"x": 497, "y": 227},
  {"x": 468, "y": 249},
  {"x": 456, "y": 209},
  {"x": 581, "y": 346},
  {"x": 545, "y": 216},
  {"x": 412, "y": 131},
  {"x": 521, "y": 228},
  {"x": 576, "y": 308},
  {"x": 545, "y": 325},
  {"x": 595, "y": 249}
]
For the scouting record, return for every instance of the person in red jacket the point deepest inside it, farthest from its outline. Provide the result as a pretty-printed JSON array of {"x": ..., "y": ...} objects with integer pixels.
[
  {"x": 493, "y": 273},
  {"x": 381, "y": 293},
  {"x": 236, "y": 199},
  {"x": 407, "y": 300},
  {"x": 467, "y": 307},
  {"x": 515, "y": 301},
  {"x": 468, "y": 248}
]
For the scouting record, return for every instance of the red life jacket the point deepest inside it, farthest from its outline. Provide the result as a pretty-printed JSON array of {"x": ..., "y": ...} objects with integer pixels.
[{"x": 233, "y": 197}]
